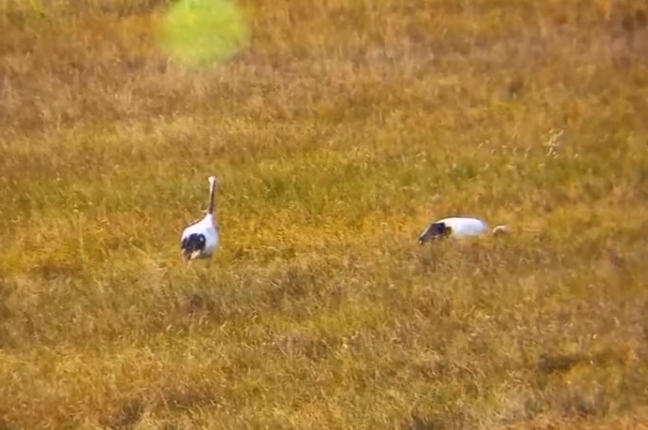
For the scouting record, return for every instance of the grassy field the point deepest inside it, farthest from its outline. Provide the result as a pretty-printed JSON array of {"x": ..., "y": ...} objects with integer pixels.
[{"x": 342, "y": 130}]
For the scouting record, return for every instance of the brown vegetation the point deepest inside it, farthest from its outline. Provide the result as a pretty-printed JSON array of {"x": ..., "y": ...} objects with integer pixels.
[{"x": 337, "y": 136}]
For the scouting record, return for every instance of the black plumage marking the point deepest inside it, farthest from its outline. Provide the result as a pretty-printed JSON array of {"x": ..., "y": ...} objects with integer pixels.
[
  {"x": 436, "y": 230},
  {"x": 440, "y": 229},
  {"x": 194, "y": 242}
]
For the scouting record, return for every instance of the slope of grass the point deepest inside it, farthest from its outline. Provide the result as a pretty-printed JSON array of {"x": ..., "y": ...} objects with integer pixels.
[{"x": 344, "y": 129}]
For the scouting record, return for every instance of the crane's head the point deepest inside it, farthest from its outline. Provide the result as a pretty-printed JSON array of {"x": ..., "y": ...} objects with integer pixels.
[{"x": 213, "y": 182}]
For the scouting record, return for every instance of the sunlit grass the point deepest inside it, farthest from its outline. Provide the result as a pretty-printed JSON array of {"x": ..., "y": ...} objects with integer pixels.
[{"x": 337, "y": 136}]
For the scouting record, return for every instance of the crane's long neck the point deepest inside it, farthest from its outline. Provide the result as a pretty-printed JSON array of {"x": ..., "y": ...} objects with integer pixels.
[{"x": 212, "y": 194}]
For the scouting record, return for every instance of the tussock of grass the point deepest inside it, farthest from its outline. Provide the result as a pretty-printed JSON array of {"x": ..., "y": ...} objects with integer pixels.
[{"x": 342, "y": 131}]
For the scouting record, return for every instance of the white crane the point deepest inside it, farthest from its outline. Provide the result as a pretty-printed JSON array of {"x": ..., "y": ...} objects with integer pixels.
[
  {"x": 457, "y": 226},
  {"x": 201, "y": 239}
]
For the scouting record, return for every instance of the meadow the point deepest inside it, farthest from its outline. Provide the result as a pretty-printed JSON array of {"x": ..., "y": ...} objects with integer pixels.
[{"x": 337, "y": 135}]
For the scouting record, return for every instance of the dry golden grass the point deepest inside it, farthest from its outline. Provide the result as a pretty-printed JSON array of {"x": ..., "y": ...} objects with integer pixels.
[{"x": 337, "y": 136}]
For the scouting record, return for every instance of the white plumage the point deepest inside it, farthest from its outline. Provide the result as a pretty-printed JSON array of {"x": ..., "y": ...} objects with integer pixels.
[
  {"x": 457, "y": 227},
  {"x": 201, "y": 239}
]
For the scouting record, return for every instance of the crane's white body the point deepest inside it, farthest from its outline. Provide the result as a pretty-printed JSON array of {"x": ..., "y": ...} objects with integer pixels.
[
  {"x": 207, "y": 227},
  {"x": 458, "y": 227},
  {"x": 201, "y": 239}
]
